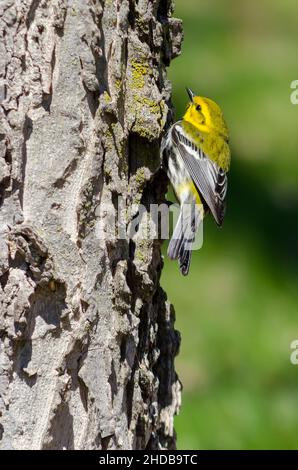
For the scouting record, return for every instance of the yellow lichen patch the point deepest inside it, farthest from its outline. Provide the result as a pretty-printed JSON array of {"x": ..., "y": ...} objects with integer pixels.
[
  {"x": 141, "y": 128},
  {"x": 142, "y": 253},
  {"x": 118, "y": 83},
  {"x": 153, "y": 105},
  {"x": 106, "y": 97},
  {"x": 139, "y": 71},
  {"x": 147, "y": 115},
  {"x": 155, "y": 108},
  {"x": 140, "y": 176}
]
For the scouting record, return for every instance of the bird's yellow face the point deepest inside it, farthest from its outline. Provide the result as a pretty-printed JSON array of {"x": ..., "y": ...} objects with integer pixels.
[{"x": 205, "y": 115}]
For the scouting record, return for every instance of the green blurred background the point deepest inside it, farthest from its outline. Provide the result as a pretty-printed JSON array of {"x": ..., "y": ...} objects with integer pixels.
[{"x": 237, "y": 310}]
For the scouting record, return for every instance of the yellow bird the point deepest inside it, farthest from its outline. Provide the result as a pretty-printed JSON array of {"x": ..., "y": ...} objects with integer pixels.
[{"x": 196, "y": 155}]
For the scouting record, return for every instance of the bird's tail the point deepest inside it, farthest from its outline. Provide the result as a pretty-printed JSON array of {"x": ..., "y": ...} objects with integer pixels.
[{"x": 180, "y": 246}]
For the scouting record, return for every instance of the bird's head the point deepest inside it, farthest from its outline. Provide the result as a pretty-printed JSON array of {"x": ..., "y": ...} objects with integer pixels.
[{"x": 205, "y": 115}]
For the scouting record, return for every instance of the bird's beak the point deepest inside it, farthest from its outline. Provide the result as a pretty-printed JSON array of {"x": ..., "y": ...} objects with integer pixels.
[{"x": 190, "y": 93}]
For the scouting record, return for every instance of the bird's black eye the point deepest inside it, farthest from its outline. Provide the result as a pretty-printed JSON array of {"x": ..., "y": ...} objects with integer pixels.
[{"x": 198, "y": 107}]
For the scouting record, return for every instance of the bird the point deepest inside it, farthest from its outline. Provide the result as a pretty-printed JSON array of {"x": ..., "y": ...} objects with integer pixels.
[{"x": 196, "y": 156}]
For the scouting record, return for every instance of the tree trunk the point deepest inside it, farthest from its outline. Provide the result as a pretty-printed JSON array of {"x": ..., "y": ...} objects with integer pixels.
[{"x": 87, "y": 338}]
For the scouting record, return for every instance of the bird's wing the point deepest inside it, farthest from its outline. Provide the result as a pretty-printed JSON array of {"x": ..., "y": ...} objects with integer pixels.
[{"x": 210, "y": 179}]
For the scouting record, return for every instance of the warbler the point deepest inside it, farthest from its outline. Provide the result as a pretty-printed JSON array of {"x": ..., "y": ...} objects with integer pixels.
[{"x": 196, "y": 155}]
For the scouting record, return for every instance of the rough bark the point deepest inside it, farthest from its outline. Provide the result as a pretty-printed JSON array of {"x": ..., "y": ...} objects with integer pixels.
[{"x": 87, "y": 338}]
